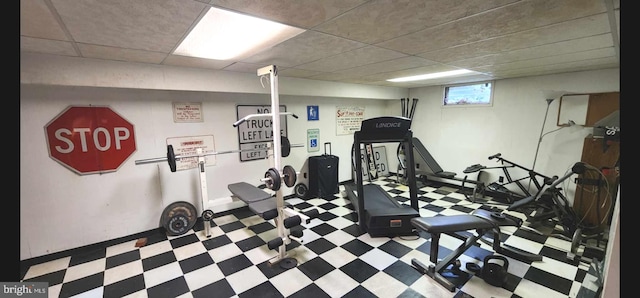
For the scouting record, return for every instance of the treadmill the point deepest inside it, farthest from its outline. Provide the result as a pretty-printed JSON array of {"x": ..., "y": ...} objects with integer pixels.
[{"x": 379, "y": 214}]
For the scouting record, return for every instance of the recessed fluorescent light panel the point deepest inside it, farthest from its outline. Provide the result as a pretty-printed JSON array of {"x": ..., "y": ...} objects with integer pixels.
[
  {"x": 431, "y": 76},
  {"x": 224, "y": 35}
]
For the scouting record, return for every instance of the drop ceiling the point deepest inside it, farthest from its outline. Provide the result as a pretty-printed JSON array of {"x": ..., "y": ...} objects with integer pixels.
[{"x": 350, "y": 41}]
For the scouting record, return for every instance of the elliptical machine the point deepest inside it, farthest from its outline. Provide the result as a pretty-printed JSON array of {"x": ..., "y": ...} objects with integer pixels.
[{"x": 550, "y": 207}]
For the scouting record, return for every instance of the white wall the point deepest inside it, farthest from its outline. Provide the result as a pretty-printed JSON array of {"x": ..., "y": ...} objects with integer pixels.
[{"x": 459, "y": 137}]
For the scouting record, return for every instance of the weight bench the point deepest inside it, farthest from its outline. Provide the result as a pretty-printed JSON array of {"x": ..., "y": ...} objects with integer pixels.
[
  {"x": 259, "y": 201},
  {"x": 427, "y": 166},
  {"x": 432, "y": 165},
  {"x": 480, "y": 220}
]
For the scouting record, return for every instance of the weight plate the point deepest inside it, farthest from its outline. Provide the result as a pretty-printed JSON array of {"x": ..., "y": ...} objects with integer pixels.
[
  {"x": 290, "y": 176},
  {"x": 178, "y": 225},
  {"x": 285, "y": 145},
  {"x": 207, "y": 215},
  {"x": 178, "y": 218},
  {"x": 274, "y": 180},
  {"x": 301, "y": 190},
  {"x": 171, "y": 158}
]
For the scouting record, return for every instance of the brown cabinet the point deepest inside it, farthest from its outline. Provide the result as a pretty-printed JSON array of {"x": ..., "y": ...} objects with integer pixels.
[
  {"x": 595, "y": 193},
  {"x": 587, "y": 109}
]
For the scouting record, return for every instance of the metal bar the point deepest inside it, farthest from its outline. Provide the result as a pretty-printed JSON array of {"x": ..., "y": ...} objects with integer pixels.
[
  {"x": 179, "y": 157},
  {"x": 245, "y": 118}
]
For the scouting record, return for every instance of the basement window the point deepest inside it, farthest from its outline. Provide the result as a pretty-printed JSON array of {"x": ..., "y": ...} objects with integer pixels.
[{"x": 475, "y": 94}]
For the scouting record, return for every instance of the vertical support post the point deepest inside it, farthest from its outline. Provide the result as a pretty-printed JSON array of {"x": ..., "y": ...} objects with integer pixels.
[
  {"x": 204, "y": 196},
  {"x": 276, "y": 149}
]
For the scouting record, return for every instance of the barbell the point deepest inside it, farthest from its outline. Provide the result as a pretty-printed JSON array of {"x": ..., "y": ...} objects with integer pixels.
[
  {"x": 171, "y": 157},
  {"x": 273, "y": 180}
]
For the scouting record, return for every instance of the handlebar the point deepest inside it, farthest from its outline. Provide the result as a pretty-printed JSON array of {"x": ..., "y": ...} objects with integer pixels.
[
  {"x": 577, "y": 168},
  {"x": 245, "y": 118},
  {"x": 494, "y": 156},
  {"x": 551, "y": 180}
]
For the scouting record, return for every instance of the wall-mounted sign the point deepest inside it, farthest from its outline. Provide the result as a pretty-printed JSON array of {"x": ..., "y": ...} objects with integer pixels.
[
  {"x": 90, "y": 139},
  {"x": 185, "y": 146},
  {"x": 257, "y": 133},
  {"x": 184, "y": 112},
  {"x": 348, "y": 119},
  {"x": 313, "y": 139},
  {"x": 313, "y": 113}
]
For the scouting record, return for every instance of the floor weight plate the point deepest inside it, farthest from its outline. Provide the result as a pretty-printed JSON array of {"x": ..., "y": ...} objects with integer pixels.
[
  {"x": 178, "y": 218},
  {"x": 301, "y": 190}
]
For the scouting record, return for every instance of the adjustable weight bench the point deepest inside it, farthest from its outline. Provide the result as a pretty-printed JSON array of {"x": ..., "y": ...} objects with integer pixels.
[
  {"x": 259, "y": 201},
  {"x": 480, "y": 220},
  {"x": 264, "y": 204}
]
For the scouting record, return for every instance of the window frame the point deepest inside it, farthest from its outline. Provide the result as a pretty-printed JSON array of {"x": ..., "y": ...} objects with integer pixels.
[{"x": 489, "y": 104}]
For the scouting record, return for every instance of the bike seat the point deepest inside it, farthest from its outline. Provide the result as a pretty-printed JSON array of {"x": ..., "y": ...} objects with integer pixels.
[{"x": 473, "y": 168}]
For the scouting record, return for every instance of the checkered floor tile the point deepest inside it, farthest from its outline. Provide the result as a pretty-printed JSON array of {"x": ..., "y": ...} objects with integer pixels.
[{"x": 335, "y": 259}]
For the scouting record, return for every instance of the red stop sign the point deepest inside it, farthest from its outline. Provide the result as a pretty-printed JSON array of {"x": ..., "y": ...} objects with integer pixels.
[{"x": 90, "y": 139}]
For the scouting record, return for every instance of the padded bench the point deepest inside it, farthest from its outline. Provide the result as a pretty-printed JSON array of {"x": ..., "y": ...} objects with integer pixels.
[
  {"x": 480, "y": 220},
  {"x": 259, "y": 201}
]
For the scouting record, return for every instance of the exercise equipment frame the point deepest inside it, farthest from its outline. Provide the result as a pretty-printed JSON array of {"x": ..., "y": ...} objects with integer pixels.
[
  {"x": 379, "y": 214},
  {"x": 480, "y": 220}
]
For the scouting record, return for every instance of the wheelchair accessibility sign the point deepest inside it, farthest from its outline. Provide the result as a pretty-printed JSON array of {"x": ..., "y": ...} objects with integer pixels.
[{"x": 313, "y": 139}]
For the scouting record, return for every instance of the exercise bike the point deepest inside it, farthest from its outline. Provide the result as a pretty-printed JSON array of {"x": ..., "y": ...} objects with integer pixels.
[{"x": 498, "y": 190}]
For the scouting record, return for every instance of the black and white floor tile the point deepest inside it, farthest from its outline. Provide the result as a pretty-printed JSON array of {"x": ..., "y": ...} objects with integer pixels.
[{"x": 335, "y": 258}]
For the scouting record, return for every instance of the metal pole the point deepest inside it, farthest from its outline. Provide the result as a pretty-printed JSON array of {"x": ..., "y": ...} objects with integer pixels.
[
  {"x": 549, "y": 100},
  {"x": 179, "y": 157}
]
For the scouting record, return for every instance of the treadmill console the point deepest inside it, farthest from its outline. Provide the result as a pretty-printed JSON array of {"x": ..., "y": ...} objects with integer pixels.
[{"x": 386, "y": 124}]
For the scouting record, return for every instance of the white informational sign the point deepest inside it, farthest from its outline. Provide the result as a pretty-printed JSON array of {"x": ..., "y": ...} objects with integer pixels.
[
  {"x": 380, "y": 155},
  {"x": 313, "y": 140},
  {"x": 184, "y": 112},
  {"x": 348, "y": 119},
  {"x": 184, "y": 146},
  {"x": 257, "y": 133}
]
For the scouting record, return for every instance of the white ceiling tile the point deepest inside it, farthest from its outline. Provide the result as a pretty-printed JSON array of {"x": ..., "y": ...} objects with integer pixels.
[
  {"x": 185, "y": 61},
  {"x": 357, "y": 57},
  {"x": 558, "y": 59},
  {"x": 153, "y": 25},
  {"x": 300, "y": 13},
  {"x": 388, "y": 65},
  {"x": 36, "y": 20},
  {"x": 120, "y": 54},
  {"x": 521, "y": 16},
  {"x": 567, "y": 31},
  {"x": 245, "y": 67},
  {"x": 548, "y": 50},
  {"x": 381, "y": 20},
  {"x": 46, "y": 46},
  {"x": 298, "y": 73},
  {"x": 303, "y": 48},
  {"x": 410, "y": 72},
  {"x": 601, "y": 63}
]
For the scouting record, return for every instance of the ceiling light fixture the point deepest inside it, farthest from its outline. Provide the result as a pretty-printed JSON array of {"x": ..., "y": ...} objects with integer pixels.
[
  {"x": 224, "y": 35},
  {"x": 429, "y": 76}
]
